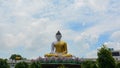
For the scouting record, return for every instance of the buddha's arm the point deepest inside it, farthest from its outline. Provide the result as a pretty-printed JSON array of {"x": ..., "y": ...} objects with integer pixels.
[
  {"x": 52, "y": 48},
  {"x": 65, "y": 48}
]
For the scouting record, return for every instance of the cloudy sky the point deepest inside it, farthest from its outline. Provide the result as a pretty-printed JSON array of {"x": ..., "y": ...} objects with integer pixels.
[{"x": 28, "y": 27}]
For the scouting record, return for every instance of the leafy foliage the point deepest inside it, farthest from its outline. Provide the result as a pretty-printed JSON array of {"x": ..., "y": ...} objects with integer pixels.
[
  {"x": 22, "y": 65},
  {"x": 118, "y": 65},
  {"x": 4, "y": 64},
  {"x": 35, "y": 65},
  {"x": 16, "y": 57},
  {"x": 89, "y": 64},
  {"x": 62, "y": 66},
  {"x": 94, "y": 65},
  {"x": 105, "y": 59}
]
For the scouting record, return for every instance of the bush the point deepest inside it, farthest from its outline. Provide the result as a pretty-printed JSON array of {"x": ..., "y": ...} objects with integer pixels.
[
  {"x": 118, "y": 65},
  {"x": 94, "y": 65},
  {"x": 4, "y": 64},
  {"x": 62, "y": 66},
  {"x": 88, "y": 64},
  {"x": 35, "y": 65},
  {"x": 22, "y": 65}
]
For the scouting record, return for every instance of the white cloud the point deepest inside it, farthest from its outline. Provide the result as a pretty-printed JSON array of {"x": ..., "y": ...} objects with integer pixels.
[
  {"x": 78, "y": 3},
  {"x": 92, "y": 54},
  {"x": 115, "y": 36},
  {"x": 115, "y": 45},
  {"x": 11, "y": 40},
  {"x": 99, "y": 5},
  {"x": 33, "y": 24},
  {"x": 114, "y": 41}
]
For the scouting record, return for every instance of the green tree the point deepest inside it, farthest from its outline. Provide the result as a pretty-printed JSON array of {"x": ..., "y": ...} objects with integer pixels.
[
  {"x": 118, "y": 65},
  {"x": 22, "y": 65},
  {"x": 94, "y": 65},
  {"x": 62, "y": 66},
  {"x": 88, "y": 64},
  {"x": 16, "y": 57},
  {"x": 35, "y": 65},
  {"x": 4, "y": 64},
  {"x": 105, "y": 59}
]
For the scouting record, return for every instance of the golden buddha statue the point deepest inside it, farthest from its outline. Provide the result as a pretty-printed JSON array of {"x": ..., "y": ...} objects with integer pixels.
[{"x": 58, "y": 48}]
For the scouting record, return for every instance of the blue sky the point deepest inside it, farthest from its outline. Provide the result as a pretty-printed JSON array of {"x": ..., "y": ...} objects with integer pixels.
[{"x": 28, "y": 27}]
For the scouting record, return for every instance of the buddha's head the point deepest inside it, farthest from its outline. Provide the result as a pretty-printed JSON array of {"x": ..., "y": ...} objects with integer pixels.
[{"x": 58, "y": 36}]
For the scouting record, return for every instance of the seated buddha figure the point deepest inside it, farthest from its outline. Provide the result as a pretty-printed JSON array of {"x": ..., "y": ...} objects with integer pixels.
[{"x": 58, "y": 48}]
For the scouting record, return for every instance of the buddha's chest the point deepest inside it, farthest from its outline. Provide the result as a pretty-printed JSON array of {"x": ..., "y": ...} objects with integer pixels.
[{"x": 59, "y": 45}]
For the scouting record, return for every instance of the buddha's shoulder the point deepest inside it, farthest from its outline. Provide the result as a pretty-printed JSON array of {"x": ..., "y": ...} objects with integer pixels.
[
  {"x": 55, "y": 42},
  {"x": 63, "y": 41}
]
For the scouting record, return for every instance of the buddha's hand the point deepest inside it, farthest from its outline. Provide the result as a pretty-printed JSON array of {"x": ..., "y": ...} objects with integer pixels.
[{"x": 65, "y": 52}]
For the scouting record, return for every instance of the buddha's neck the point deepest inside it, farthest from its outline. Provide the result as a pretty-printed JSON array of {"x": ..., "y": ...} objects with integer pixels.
[{"x": 58, "y": 40}]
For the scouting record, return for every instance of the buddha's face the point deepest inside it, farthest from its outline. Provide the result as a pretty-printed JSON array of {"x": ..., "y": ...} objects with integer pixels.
[{"x": 58, "y": 37}]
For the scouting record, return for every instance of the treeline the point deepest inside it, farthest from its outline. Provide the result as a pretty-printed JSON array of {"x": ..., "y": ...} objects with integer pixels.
[
  {"x": 104, "y": 60},
  {"x": 4, "y": 64}
]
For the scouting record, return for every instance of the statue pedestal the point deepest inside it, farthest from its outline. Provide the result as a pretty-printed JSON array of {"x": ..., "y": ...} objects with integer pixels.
[
  {"x": 59, "y": 62},
  {"x": 58, "y": 55}
]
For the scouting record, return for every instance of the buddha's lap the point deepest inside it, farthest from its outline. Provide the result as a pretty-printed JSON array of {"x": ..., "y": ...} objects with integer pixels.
[{"x": 55, "y": 55}]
